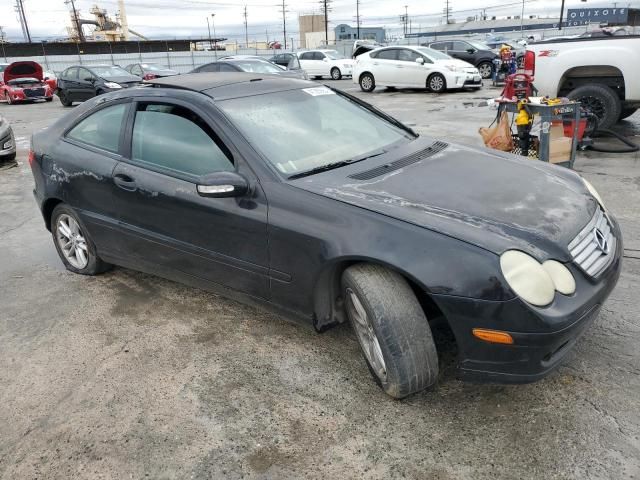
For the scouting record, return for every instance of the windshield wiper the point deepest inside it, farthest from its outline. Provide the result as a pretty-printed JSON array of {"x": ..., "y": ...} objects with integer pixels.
[{"x": 331, "y": 166}]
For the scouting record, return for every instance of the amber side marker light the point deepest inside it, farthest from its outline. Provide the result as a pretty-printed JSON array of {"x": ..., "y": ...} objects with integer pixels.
[{"x": 493, "y": 336}]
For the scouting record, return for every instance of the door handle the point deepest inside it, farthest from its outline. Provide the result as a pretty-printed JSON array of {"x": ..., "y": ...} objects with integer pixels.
[{"x": 125, "y": 182}]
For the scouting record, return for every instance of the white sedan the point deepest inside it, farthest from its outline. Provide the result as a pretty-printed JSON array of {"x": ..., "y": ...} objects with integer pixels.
[
  {"x": 325, "y": 63},
  {"x": 415, "y": 67}
]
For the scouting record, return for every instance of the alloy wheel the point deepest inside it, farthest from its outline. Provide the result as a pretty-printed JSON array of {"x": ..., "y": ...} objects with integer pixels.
[
  {"x": 335, "y": 74},
  {"x": 436, "y": 83},
  {"x": 366, "y": 83},
  {"x": 366, "y": 334},
  {"x": 594, "y": 105},
  {"x": 72, "y": 242},
  {"x": 485, "y": 70}
]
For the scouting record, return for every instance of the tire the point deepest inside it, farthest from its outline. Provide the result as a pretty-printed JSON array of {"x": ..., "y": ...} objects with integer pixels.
[
  {"x": 64, "y": 216},
  {"x": 64, "y": 100},
  {"x": 367, "y": 82},
  {"x": 9, "y": 100},
  {"x": 599, "y": 100},
  {"x": 390, "y": 325},
  {"x": 336, "y": 74},
  {"x": 317, "y": 77},
  {"x": 627, "y": 112},
  {"x": 437, "y": 83},
  {"x": 485, "y": 69}
]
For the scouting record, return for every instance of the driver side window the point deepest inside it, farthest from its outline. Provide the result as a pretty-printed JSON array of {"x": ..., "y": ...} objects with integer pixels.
[
  {"x": 306, "y": 56},
  {"x": 176, "y": 139},
  {"x": 318, "y": 56}
]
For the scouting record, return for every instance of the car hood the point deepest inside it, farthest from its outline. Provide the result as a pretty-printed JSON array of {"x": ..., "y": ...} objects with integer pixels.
[
  {"x": 454, "y": 61},
  {"x": 23, "y": 70},
  {"x": 493, "y": 200}
]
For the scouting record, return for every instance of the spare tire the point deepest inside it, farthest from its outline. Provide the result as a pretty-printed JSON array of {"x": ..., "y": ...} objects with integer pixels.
[{"x": 601, "y": 101}]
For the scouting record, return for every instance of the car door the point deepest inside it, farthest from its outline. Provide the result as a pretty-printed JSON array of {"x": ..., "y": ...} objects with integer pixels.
[
  {"x": 69, "y": 82},
  {"x": 385, "y": 68},
  {"x": 166, "y": 222},
  {"x": 414, "y": 74},
  {"x": 86, "y": 85},
  {"x": 308, "y": 63},
  {"x": 463, "y": 51},
  {"x": 323, "y": 64},
  {"x": 83, "y": 161}
]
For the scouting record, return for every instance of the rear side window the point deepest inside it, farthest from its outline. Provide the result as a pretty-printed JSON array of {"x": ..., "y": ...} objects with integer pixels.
[
  {"x": 176, "y": 139},
  {"x": 101, "y": 129},
  {"x": 225, "y": 67},
  {"x": 387, "y": 54},
  {"x": 318, "y": 56},
  {"x": 212, "y": 67},
  {"x": 307, "y": 56},
  {"x": 405, "y": 55}
]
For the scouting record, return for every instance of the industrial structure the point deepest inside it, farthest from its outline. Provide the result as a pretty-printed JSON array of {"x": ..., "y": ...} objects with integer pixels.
[
  {"x": 106, "y": 29},
  {"x": 347, "y": 32},
  {"x": 312, "y": 23}
]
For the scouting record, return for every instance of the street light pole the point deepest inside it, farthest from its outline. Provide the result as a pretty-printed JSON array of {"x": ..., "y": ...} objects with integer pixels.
[
  {"x": 561, "y": 15},
  {"x": 215, "y": 40},
  {"x": 522, "y": 19},
  {"x": 209, "y": 29}
]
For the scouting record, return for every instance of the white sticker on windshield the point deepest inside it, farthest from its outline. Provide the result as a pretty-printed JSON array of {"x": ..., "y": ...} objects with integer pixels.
[{"x": 317, "y": 91}]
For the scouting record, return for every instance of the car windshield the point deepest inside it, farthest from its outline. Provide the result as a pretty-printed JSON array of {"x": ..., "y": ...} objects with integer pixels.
[
  {"x": 433, "y": 54},
  {"x": 302, "y": 130},
  {"x": 334, "y": 55},
  {"x": 257, "y": 66},
  {"x": 152, "y": 67},
  {"x": 110, "y": 71},
  {"x": 478, "y": 45}
]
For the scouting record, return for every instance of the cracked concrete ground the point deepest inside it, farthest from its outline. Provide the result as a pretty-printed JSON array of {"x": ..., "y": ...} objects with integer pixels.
[{"x": 125, "y": 375}]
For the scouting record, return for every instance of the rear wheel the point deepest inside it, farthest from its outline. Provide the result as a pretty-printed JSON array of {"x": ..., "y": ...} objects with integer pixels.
[
  {"x": 367, "y": 82},
  {"x": 391, "y": 328},
  {"x": 336, "y": 74},
  {"x": 485, "y": 69},
  {"x": 627, "y": 112},
  {"x": 9, "y": 100},
  {"x": 75, "y": 248},
  {"x": 437, "y": 83},
  {"x": 599, "y": 100}
]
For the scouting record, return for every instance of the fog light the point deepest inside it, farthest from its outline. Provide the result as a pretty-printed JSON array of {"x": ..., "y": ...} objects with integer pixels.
[{"x": 493, "y": 336}]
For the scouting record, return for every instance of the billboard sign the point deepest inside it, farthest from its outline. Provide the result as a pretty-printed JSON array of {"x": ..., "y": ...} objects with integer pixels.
[{"x": 584, "y": 16}]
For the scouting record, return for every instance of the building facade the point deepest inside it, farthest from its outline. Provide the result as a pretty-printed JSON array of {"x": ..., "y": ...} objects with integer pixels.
[
  {"x": 309, "y": 24},
  {"x": 347, "y": 32}
]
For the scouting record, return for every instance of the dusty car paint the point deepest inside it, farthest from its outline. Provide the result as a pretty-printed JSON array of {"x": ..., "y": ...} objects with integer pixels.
[{"x": 441, "y": 221}]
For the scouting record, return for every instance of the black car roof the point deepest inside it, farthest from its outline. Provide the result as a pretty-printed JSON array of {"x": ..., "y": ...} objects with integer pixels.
[{"x": 231, "y": 84}]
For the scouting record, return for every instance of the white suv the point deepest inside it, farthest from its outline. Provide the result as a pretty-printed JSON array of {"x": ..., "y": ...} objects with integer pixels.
[
  {"x": 325, "y": 63},
  {"x": 414, "y": 67}
]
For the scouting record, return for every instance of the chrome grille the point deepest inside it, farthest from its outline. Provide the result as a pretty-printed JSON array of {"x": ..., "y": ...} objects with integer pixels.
[{"x": 594, "y": 247}]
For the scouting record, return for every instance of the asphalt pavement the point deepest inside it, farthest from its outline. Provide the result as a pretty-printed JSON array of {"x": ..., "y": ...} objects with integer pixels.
[{"x": 126, "y": 375}]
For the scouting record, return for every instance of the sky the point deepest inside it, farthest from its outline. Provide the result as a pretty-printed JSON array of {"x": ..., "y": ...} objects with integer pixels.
[{"x": 47, "y": 19}]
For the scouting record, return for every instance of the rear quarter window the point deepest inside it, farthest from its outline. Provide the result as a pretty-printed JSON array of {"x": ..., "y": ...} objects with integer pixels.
[{"x": 101, "y": 129}]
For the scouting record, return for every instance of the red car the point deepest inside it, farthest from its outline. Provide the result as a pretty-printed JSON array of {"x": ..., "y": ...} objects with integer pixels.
[{"x": 24, "y": 81}]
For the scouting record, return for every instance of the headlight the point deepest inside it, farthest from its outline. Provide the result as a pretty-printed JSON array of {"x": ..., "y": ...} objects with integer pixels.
[
  {"x": 560, "y": 276},
  {"x": 594, "y": 192},
  {"x": 527, "y": 278},
  {"x": 112, "y": 85}
]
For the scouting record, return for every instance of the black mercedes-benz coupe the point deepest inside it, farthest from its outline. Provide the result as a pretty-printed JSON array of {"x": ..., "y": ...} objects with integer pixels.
[{"x": 305, "y": 199}]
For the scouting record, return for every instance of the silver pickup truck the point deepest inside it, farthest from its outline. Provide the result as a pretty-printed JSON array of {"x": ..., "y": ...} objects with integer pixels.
[{"x": 602, "y": 73}]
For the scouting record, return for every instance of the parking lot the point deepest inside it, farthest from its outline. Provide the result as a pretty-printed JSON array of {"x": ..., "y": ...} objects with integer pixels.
[{"x": 126, "y": 375}]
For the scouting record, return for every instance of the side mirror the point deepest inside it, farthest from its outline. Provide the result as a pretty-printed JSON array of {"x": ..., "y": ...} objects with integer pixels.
[
  {"x": 89, "y": 79},
  {"x": 45, "y": 78},
  {"x": 325, "y": 59},
  {"x": 222, "y": 185},
  {"x": 420, "y": 60},
  {"x": 471, "y": 50}
]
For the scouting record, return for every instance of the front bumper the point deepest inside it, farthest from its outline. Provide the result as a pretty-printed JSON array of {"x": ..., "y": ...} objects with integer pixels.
[
  {"x": 542, "y": 336},
  {"x": 7, "y": 144}
]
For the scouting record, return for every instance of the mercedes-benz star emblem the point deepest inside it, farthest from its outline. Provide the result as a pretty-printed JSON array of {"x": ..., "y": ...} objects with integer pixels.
[{"x": 601, "y": 241}]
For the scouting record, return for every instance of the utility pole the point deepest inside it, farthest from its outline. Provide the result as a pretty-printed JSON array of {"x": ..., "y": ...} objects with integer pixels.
[
  {"x": 284, "y": 23},
  {"x": 522, "y": 19},
  {"x": 23, "y": 21},
  {"x": 246, "y": 31},
  {"x": 209, "y": 30},
  {"x": 561, "y": 15},
  {"x": 325, "y": 6},
  {"x": 2, "y": 37},
  {"x": 76, "y": 20},
  {"x": 215, "y": 41},
  {"x": 447, "y": 10},
  {"x": 358, "y": 18}
]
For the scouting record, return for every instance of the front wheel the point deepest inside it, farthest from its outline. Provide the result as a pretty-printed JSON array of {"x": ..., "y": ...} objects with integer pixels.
[
  {"x": 75, "y": 248},
  {"x": 486, "y": 70},
  {"x": 367, "y": 82},
  {"x": 392, "y": 329},
  {"x": 64, "y": 99},
  {"x": 437, "y": 83},
  {"x": 336, "y": 74}
]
